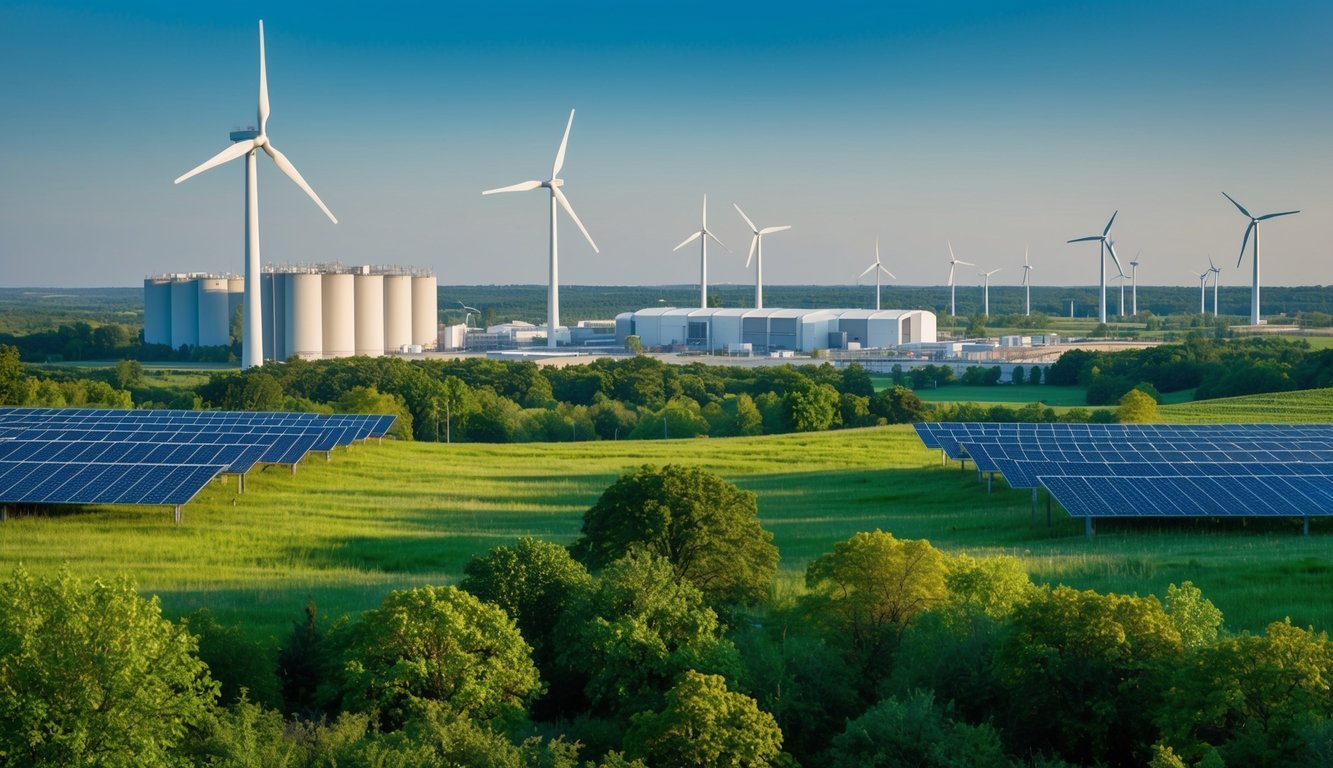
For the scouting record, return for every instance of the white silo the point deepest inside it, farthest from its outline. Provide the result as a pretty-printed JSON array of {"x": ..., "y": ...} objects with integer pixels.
[
  {"x": 397, "y": 312},
  {"x": 339, "y": 308},
  {"x": 184, "y": 312},
  {"x": 305, "y": 316},
  {"x": 369, "y": 295},
  {"x": 214, "y": 325},
  {"x": 157, "y": 310},
  {"x": 274, "y": 297},
  {"x": 425, "y": 312}
]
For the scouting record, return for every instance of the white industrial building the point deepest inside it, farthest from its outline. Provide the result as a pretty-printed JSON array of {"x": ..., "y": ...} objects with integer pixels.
[
  {"x": 310, "y": 312},
  {"x": 771, "y": 330}
]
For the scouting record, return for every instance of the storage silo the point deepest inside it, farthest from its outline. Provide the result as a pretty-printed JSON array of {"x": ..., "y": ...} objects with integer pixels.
[
  {"x": 397, "y": 312},
  {"x": 184, "y": 313},
  {"x": 157, "y": 310},
  {"x": 425, "y": 312},
  {"x": 305, "y": 316},
  {"x": 368, "y": 291},
  {"x": 235, "y": 299},
  {"x": 339, "y": 308},
  {"x": 214, "y": 322},
  {"x": 275, "y": 316}
]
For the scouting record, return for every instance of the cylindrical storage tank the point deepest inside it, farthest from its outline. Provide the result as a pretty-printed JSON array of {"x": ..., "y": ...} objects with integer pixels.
[
  {"x": 305, "y": 315},
  {"x": 235, "y": 300},
  {"x": 369, "y": 295},
  {"x": 214, "y": 328},
  {"x": 339, "y": 315},
  {"x": 397, "y": 311},
  {"x": 425, "y": 313},
  {"x": 184, "y": 313},
  {"x": 156, "y": 311},
  {"x": 275, "y": 313}
]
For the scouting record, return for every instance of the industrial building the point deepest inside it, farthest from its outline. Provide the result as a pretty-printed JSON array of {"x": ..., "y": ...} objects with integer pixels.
[
  {"x": 311, "y": 312},
  {"x": 773, "y": 330}
]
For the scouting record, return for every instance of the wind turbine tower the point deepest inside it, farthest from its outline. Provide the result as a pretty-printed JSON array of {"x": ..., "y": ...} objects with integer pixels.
[
  {"x": 248, "y": 143},
  {"x": 985, "y": 290},
  {"x": 557, "y": 198},
  {"x": 702, "y": 236},
  {"x": 879, "y": 270},
  {"x": 1217, "y": 276},
  {"x": 954, "y": 262},
  {"x": 1203, "y": 282},
  {"x": 1134, "y": 284},
  {"x": 1027, "y": 287},
  {"x": 1105, "y": 245},
  {"x": 1253, "y": 227},
  {"x": 757, "y": 255}
]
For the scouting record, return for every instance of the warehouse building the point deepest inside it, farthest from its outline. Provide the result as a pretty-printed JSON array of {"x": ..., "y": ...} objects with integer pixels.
[{"x": 772, "y": 330}]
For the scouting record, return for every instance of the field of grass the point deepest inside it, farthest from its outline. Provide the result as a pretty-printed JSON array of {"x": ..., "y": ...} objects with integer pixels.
[
  {"x": 1309, "y": 405},
  {"x": 400, "y": 514},
  {"x": 1008, "y": 394}
]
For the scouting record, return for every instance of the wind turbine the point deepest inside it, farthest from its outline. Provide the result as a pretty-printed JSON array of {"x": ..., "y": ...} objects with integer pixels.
[
  {"x": 757, "y": 255},
  {"x": 468, "y": 312},
  {"x": 1027, "y": 287},
  {"x": 985, "y": 302},
  {"x": 1134, "y": 283},
  {"x": 1253, "y": 227},
  {"x": 557, "y": 197},
  {"x": 1217, "y": 275},
  {"x": 247, "y": 144},
  {"x": 1106, "y": 244},
  {"x": 879, "y": 270},
  {"x": 702, "y": 236},
  {"x": 1203, "y": 281},
  {"x": 954, "y": 262}
]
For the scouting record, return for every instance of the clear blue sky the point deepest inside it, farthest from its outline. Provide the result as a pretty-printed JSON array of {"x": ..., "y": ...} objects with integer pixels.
[{"x": 993, "y": 124}]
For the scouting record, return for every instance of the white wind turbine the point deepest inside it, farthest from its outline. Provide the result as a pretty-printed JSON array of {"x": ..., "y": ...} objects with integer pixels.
[
  {"x": 1217, "y": 275},
  {"x": 1203, "y": 282},
  {"x": 1027, "y": 287},
  {"x": 248, "y": 143},
  {"x": 879, "y": 269},
  {"x": 757, "y": 254},
  {"x": 1105, "y": 245},
  {"x": 1134, "y": 284},
  {"x": 557, "y": 197},
  {"x": 985, "y": 302},
  {"x": 702, "y": 236},
  {"x": 954, "y": 262},
  {"x": 1253, "y": 227}
]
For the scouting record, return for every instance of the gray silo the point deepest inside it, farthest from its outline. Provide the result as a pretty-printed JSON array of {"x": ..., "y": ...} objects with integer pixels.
[
  {"x": 305, "y": 316},
  {"x": 274, "y": 297},
  {"x": 397, "y": 312},
  {"x": 214, "y": 322},
  {"x": 339, "y": 308},
  {"x": 235, "y": 299},
  {"x": 157, "y": 310},
  {"x": 184, "y": 312},
  {"x": 369, "y": 297},
  {"x": 425, "y": 312}
]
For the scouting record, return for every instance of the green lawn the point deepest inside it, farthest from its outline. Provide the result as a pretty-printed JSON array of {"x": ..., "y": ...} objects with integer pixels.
[
  {"x": 382, "y": 517},
  {"x": 1310, "y": 405}
]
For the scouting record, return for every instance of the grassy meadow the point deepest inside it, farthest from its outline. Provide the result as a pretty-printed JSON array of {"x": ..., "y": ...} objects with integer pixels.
[{"x": 379, "y": 517}]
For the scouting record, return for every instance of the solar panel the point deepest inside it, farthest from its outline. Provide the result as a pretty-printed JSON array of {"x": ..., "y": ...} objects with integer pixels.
[
  {"x": 1254, "y": 496},
  {"x": 30, "y": 482}
]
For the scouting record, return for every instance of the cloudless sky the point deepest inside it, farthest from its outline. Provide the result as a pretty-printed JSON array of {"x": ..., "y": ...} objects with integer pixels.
[{"x": 992, "y": 124}]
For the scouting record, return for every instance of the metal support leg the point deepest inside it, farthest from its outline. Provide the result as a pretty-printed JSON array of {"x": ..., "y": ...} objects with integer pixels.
[
  {"x": 293, "y": 467},
  {"x": 177, "y": 514},
  {"x": 240, "y": 484},
  {"x": 4, "y": 514},
  {"x": 990, "y": 478},
  {"x": 944, "y": 458},
  {"x": 1034, "y": 504},
  {"x": 1305, "y": 524},
  {"x": 1087, "y": 527},
  {"x": 328, "y": 456},
  {"x": 1048, "y": 509}
]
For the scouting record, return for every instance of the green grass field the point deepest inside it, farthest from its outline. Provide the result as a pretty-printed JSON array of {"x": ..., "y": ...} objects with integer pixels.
[
  {"x": 1059, "y": 398},
  {"x": 383, "y": 517},
  {"x": 1310, "y": 405}
]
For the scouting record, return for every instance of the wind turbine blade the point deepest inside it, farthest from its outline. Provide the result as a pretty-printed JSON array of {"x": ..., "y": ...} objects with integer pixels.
[
  {"x": 951, "y": 268},
  {"x": 705, "y": 213},
  {"x": 771, "y": 230},
  {"x": 952, "y": 258},
  {"x": 230, "y": 153},
  {"x": 1107, "y": 231},
  {"x": 560, "y": 155},
  {"x": 688, "y": 240},
  {"x": 1110, "y": 246},
  {"x": 263, "y": 83},
  {"x": 753, "y": 228},
  {"x": 719, "y": 242},
  {"x": 754, "y": 241},
  {"x": 869, "y": 269},
  {"x": 1211, "y": 266},
  {"x": 877, "y": 250},
  {"x": 1275, "y": 215},
  {"x": 1245, "y": 241},
  {"x": 1084, "y": 239},
  {"x": 1240, "y": 207},
  {"x": 521, "y": 187},
  {"x": 564, "y": 203},
  {"x": 965, "y": 263},
  {"x": 1026, "y": 249},
  {"x": 1025, "y": 278},
  {"x": 286, "y": 167},
  {"x": 887, "y": 272}
]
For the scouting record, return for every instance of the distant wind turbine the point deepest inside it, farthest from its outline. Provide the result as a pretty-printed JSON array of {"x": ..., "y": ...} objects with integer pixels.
[
  {"x": 954, "y": 262},
  {"x": 1106, "y": 244},
  {"x": 247, "y": 143},
  {"x": 1027, "y": 286},
  {"x": 1203, "y": 281},
  {"x": 702, "y": 236},
  {"x": 1134, "y": 283},
  {"x": 1253, "y": 227},
  {"x": 557, "y": 197},
  {"x": 757, "y": 255},
  {"x": 985, "y": 302},
  {"x": 879, "y": 270},
  {"x": 1217, "y": 275}
]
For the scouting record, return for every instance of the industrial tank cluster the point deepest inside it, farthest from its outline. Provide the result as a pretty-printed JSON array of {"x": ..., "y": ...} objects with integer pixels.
[{"x": 310, "y": 312}]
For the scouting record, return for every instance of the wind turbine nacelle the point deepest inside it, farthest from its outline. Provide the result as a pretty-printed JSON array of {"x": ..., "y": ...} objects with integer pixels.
[
  {"x": 248, "y": 134},
  {"x": 553, "y": 183}
]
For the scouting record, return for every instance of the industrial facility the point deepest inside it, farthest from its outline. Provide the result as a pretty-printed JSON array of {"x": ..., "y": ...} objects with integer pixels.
[
  {"x": 763, "y": 331},
  {"x": 309, "y": 311}
]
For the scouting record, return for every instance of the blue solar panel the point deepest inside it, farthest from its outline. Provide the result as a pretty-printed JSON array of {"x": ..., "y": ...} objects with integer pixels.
[
  {"x": 1254, "y": 496},
  {"x": 26, "y": 482}
]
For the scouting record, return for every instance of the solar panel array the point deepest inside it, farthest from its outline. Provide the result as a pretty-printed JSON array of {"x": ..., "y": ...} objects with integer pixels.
[
  {"x": 1155, "y": 470},
  {"x": 115, "y": 456}
]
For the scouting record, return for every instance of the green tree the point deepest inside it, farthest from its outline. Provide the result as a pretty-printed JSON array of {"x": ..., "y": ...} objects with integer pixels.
[
  {"x": 1017, "y": 376},
  {"x": 13, "y": 389},
  {"x": 914, "y": 733},
  {"x": 634, "y": 344},
  {"x": 748, "y": 420},
  {"x": 238, "y": 663},
  {"x": 898, "y": 405},
  {"x": 1034, "y": 376},
  {"x": 91, "y": 674},
  {"x": 127, "y": 374},
  {"x": 532, "y": 581},
  {"x": 856, "y": 381},
  {"x": 371, "y": 400},
  {"x": 437, "y": 650},
  {"x": 704, "y": 724},
  {"x": 813, "y": 409},
  {"x": 1136, "y": 407},
  {"x": 1193, "y": 615},
  {"x": 705, "y": 527}
]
